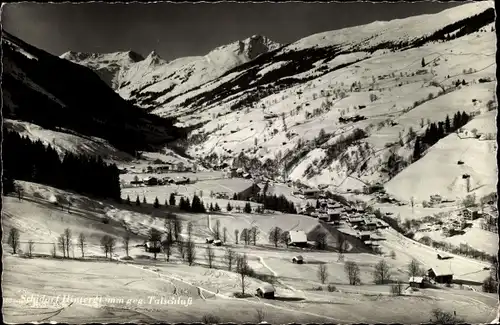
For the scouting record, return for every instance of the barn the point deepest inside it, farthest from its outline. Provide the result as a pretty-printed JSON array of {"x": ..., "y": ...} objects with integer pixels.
[
  {"x": 416, "y": 282},
  {"x": 440, "y": 274},
  {"x": 266, "y": 291},
  {"x": 249, "y": 192}
]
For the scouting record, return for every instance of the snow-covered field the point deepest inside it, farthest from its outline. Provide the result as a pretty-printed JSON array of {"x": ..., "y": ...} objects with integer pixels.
[{"x": 199, "y": 290}]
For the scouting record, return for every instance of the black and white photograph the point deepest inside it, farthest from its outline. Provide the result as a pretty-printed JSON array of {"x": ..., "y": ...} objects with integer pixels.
[{"x": 259, "y": 163}]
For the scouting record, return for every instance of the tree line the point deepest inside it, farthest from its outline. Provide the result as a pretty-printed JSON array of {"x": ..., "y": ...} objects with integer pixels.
[{"x": 33, "y": 161}]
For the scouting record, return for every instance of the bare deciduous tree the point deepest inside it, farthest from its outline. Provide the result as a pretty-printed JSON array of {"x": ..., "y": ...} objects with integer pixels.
[
  {"x": 352, "y": 271},
  {"x": 209, "y": 256},
  {"x": 322, "y": 273},
  {"x": 167, "y": 247},
  {"x": 31, "y": 245},
  {"x": 254, "y": 232},
  {"x": 244, "y": 270},
  {"x": 181, "y": 247},
  {"x": 177, "y": 229},
  {"x": 414, "y": 268},
  {"x": 13, "y": 239},
  {"x": 81, "y": 244},
  {"x": 320, "y": 241},
  {"x": 285, "y": 238},
  {"x": 190, "y": 230},
  {"x": 224, "y": 234},
  {"x": 236, "y": 236},
  {"x": 341, "y": 243},
  {"x": 381, "y": 272},
  {"x": 67, "y": 236},
  {"x": 245, "y": 236},
  {"x": 275, "y": 235},
  {"x": 190, "y": 252},
  {"x": 62, "y": 245},
  {"x": 126, "y": 242},
  {"x": 217, "y": 229},
  {"x": 260, "y": 315},
  {"x": 154, "y": 237},
  {"x": 229, "y": 257}
]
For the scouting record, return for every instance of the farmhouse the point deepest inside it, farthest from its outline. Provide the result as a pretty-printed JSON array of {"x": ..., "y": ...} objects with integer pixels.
[
  {"x": 471, "y": 213},
  {"x": 311, "y": 193},
  {"x": 416, "y": 282},
  {"x": 297, "y": 238},
  {"x": 152, "y": 247},
  {"x": 353, "y": 220},
  {"x": 440, "y": 275},
  {"x": 150, "y": 181},
  {"x": 364, "y": 235},
  {"x": 436, "y": 199},
  {"x": 370, "y": 225},
  {"x": 249, "y": 193}
]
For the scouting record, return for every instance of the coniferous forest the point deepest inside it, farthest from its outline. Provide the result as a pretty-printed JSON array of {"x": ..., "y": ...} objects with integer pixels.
[
  {"x": 27, "y": 160},
  {"x": 437, "y": 131}
]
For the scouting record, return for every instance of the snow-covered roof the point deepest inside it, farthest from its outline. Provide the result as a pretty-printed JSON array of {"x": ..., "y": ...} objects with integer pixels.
[
  {"x": 265, "y": 288},
  {"x": 217, "y": 241},
  {"x": 298, "y": 257},
  {"x": 416, "y": 279},
  {"x": 441, "y": 270},
  {"x": 298, "y": 236}
]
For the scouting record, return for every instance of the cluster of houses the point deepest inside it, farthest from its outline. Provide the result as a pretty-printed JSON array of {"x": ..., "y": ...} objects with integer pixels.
[
  {"x": 154, "y": 181},
  {"x": 163, "y": 168}
]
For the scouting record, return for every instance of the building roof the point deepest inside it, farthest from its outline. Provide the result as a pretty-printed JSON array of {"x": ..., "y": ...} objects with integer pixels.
[
  {"x": 416, "y": 279},
  {"x": 265, "y": 288},
  {"x": 298, "y": 236},
  {"x": 298, "y": 257},
  {"x": 441, "y": 270}
]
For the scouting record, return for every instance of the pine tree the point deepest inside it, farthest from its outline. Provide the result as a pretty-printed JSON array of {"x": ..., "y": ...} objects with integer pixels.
[
  {"x": 423, "y": 62},
  {"x": 211, "y": 208},
  {"x": 217, "y": 207},
  {"x": 171, "y": 200},
  {"x": 137, "y": 201},
  {"x": 156, "y": 204},
  {"x": 417, "y": 150},
  {"x": 144, "y": 200},
  {"x": 447, "y": 124},
  {"x": 229, "y": 207},
  {"x": 128, "y": 200}
]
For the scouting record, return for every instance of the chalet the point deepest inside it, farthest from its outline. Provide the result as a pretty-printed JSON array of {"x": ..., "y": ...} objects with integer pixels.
[
  {"x": 440, "y": 274},
  {"x": 152, "y": 247},
  {"x": 246, "y": 175},
  {"x": 324, "y": 217},
  {"x": 136, "y": 182},
  {"x": 471, "y": 213},
  {"x": 370, "y": 225},
  {"x": 356, "y": 220},
  {"x": 250, "y": 192},
  {"x": 181, "y": 181},
  {"x": 297, "y": 238},
  {"x": 334, "y": 214},
  {"x": 416, "y": 282},
  {"x": 311, "y": 193},
  {"x": 364, "y": 235},
  {"x": 308, "y": 210},
  {"x": 436, "y": 199},
  {"x": 151, "y": 181},
  {"x": 162, "y": 169}
]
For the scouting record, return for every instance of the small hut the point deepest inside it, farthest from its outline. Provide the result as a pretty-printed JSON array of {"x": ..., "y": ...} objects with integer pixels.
[{"x": 266, "y": 291}]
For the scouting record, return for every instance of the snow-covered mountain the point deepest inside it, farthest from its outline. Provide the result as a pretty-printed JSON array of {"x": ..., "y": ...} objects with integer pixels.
[{"x": 133, "y": 77}]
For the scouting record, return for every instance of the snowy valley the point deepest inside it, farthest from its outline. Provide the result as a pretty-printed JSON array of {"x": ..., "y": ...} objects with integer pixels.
[{"x": 368, "y": 153}]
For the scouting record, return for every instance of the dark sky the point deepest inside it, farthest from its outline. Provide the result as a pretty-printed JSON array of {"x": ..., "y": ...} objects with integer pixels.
[{"x": 176, "y": 30}]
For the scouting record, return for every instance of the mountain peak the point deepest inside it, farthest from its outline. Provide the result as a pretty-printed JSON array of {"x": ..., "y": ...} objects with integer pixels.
[{"x": 154, "y": 58}]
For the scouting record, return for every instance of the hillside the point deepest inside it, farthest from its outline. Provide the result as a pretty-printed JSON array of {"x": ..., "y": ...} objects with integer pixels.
[{"x": 54, "y": 94}]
